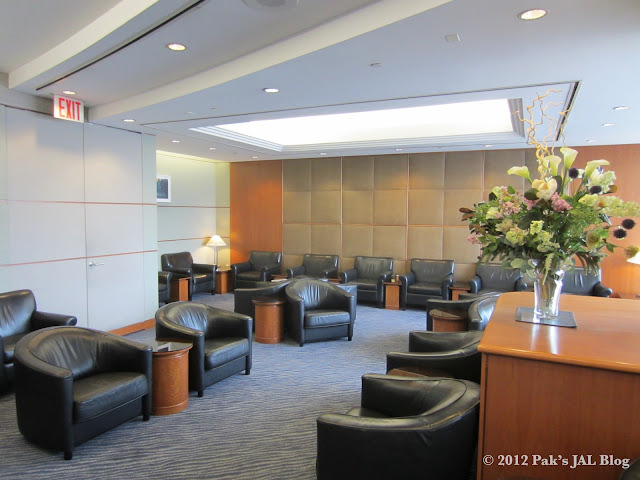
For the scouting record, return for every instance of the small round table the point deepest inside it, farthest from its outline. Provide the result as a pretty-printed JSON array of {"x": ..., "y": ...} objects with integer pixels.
[
  {"x": 444, "y": 321},
  {"x": 269, "y": 319},
  {"x": 170, "y": 379}
]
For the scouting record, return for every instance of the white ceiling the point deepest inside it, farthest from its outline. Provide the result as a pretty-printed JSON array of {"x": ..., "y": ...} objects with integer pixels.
[{"x": 319, "y": 54}]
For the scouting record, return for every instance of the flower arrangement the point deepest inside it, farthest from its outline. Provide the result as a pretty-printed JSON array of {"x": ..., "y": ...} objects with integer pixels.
[{"x": 564, "y": 214}]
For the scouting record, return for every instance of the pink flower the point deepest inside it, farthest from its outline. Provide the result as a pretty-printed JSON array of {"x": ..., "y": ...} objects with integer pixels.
[
  {"x": 530, "y": 203},
  {"x": 474, "y": 239},
  {"x": 509, "y": 208},
  {"x": 558, "y": 204}
]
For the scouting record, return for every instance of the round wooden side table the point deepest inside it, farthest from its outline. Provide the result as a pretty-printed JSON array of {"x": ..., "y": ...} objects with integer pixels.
[
  {"x": 269, "y": 319},
  {"x": 444, "y": 321},
  {"x": 170, "y": 379}
]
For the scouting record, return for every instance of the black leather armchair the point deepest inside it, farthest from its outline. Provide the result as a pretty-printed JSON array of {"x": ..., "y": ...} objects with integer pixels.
[
  {"x": 320, "y": 266},
  {"x": 369, "y": 275},
  {"x": 319, "y": 310},
  {"x": 164, "y": 287},
  {"x": 578, "y": 282},
  {"x": 260, "y": 267},
  {"x": 427, "y": 279},
  {"x": 462, "y": 307},
  {"x": 633, "y": 472},
  {"x": 18, "y": 317},
  {"x": 74, "y": 383},
  {"x": 480, "y": 312},
  {"x": 202, "y": 276},
  {"x": 492, "y": 278},
  {"x": 405, "y": 428},
  {"x": 222, "y": 340},
  {"x": 243, "y": 297},
  {"x": 452, "y": 354}
]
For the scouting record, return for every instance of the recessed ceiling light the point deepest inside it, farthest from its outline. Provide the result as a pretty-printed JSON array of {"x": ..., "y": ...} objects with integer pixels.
[
  {"x": 68, "y": 92},
  {"x": 621, "y": 107},
  {"x": 128, "y": 120},
  {"x": 452, "y": 38},
  {"x": 270, "y": 90},
  {"x": 608, "y": 124},
  {"x": 175, "y": 141},
  {"x": 590, "y": 141},
  {"x": 375, "y": 65},
  {"x": 532, "y": 14},
  {"x": 191, "y": 113},
  {"x": 488, "y": 146},
  {"x": 398, "y": 149},
  {"x": 323, "y": 153},
  {"x": 254, "y": 156},
  {"x": 176, "y": 47},
  {"x": 212, "y": 148}
]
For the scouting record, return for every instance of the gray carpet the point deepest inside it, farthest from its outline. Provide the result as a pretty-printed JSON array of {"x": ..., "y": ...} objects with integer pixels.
[{"x": 260, "y": 426}]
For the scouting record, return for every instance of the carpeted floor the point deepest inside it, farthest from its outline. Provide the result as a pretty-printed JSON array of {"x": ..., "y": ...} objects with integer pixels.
[{"x": 260, "y": 426}]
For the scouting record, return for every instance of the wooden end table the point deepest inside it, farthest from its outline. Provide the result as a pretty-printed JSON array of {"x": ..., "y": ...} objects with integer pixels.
[
  {"x": 180, "y": 289},
  {"x": 444, "y": 321},
  {"x": 223, "y": 281},
  {"x": 392, "y": 295},
  {"x": 170, "y": 379},
  {"x": 457, "y": 288},
  {"x": 269, "y": 319}
]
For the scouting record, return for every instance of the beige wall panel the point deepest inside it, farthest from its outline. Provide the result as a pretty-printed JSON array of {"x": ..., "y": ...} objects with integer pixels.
[
  {"x": 357, "y": 240},
  {"x": 296, "y": 239},
  {"x": 390, "y": 207},
  {"x": 456, "y": 199},
  {"x": 357, "y": 207},
  {"x": 390, "y": 172},
  {"x": 326, "y": 174},
  {"x": 290, "y": 261},
  {"x": 457, "y": 247},
  {"x": 424, "y": 242},
  {"x": 463, "y": 170},
  {"x": 426, "y": 171},
  {"x": 390, "y": 242},
  {"x": 222, "y": 223},
  {"x": 464, "y": 272},
  {"x": 296, "y": 175},
  {"x": 296, "y": 207},
  {"x": 325, "y": 239},
  {"x": 426, "y": 207},
  {"x": 346, "y": 263},
  {"x": 357, "y": 173},
  {"x": 400, "y": 267},
  {"x": 326, "y": 207},
  {"x": 496, "y": 164},
  {"x": 188, "y": 222},
  {"x": 223, "y": 183}
]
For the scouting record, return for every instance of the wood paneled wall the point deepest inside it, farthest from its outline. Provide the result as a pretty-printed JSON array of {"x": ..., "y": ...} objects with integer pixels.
[{"x": 256, "y": 208}]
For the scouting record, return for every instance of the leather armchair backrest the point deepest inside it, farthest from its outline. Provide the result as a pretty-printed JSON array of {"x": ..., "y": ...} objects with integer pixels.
[
  {"x": 316, "y": 264},
  {"x": 495, "y": 277},
  {"x": 259, "y": 259},
  {"x": 431, "y": 271},
  {"x": 314, "y": 293},
  {"x": 176, "y": 260},
  {"x": 16, "y": 309},
  {"x": 578, "y": 282},
  {"x": 372, "y": 267},
  {"x": 188, "y": 314},
  {"x": 480, "y": 312}
]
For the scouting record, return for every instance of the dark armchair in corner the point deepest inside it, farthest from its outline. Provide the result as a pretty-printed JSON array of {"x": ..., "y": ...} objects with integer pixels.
[
  {"x": 427, "y": 279},
  {"x": 462, "y": 307},
  {"x": 164, "y": 287},
  {"x": 492, "y": 278},
  {"x": 319, "y": 266},
  {"x": 577, "y": 282},
  {"x": 260, "y": 267},
  {"x": 18, "y": 317},
  {"x": 202, "y": 276},
  {"x": 74, "y": 383},
  {"x": 222, "y": 340},
  {"x": 369, "y": 275}
]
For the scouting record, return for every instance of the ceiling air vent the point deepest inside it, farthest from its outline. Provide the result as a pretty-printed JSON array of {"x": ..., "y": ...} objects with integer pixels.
[{"x": 271, "y": 4}]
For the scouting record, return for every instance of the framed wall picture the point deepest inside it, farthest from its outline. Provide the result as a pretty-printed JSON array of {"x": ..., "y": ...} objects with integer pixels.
[{"x": 163, "y": 183}]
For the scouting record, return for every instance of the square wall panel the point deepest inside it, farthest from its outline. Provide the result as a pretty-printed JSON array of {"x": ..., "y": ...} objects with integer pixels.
[
  {"x": 390, "y": 242},
  {"x": 346, "y": 263},
  {"x": 463, "y": 170},
  {"x": 496, "y": 164},
  {"x": 464, "y": 272},
  {"x": 457, "y": 247},
  {"x": 296, "y": 239},
  {"x": 223, "y": 220},
  {"x": 424, "y": 242},
  {"x": 325, "y": 207},
  {"x": 400, "y": 267},
  {"x": 290, "y": 261},
  {"x": 390, "y": 207},
  {"x": 296, "y": 175},
  {"x": 426, "y": 171},
  {"x": 326, "y": 174},
  {"x": 426, "y": 207},
  {"x": 296, "y": 207},
  {"x": 357, "y": 207},
  {"x": 357, "y": 173},
  {"x": 357, "y": 240},
  {"x": 391, "y": 172},
  {"x": 325, "y": 239},
  {"x": 105, "y": 224},
  {"x": 456, "y": 199}
]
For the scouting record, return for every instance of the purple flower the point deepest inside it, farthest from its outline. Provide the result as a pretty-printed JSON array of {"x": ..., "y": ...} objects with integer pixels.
[
  {"x": 619, "y": 233},
  {"x": 628, "y": 223},
  {"x": 573, "y": 172},
  {"x": 595, "y": 189}
]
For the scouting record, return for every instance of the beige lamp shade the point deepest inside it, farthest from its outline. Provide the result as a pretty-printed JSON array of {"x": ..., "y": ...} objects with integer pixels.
[{"x": 216, "y": 241}]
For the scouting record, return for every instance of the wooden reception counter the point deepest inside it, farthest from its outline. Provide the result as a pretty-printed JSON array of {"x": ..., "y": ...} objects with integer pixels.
[{"x": 557, "y": 402}]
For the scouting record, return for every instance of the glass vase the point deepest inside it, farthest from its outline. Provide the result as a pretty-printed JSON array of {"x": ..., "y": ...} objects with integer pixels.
[{"x": 547, "y": 288}]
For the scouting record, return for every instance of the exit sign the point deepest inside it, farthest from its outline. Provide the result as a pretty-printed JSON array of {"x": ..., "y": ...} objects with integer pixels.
[{"x": 68, "y": 108}]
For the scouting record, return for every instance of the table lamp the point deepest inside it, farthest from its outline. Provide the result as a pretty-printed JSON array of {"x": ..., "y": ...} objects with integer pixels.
[{"x": 216, "y": 242}]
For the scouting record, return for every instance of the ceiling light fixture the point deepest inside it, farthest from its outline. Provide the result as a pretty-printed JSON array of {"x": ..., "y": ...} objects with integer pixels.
[
  {"x": 254, "y": 156},
  {"x": 398, "y": 149},
  {"x": 375, "y": 65},
  {"x": 323, "y": 153},
  {"x": 212, "y": 148},
  {"x": 608, "y": 124},
  {"x": 452, "y": 38},
  {"x": 590, "y": 141},
  {"x": 176, "y": 47},
  {"x": 270, "y": 90},
  {"x": 532, "y": 14},
  {"x": 128, "y": 120},
  {"x": 488, "y": 146},
  {"x": 68, "y": 92},
  {"x": 621, "y": 107},
  {"x": 175, "y": 141}
]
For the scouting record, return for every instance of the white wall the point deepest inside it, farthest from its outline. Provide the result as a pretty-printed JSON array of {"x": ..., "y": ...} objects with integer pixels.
[{"x": 199, "y": 207}]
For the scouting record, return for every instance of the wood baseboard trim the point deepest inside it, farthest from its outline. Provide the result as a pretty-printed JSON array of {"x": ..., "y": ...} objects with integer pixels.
[{"x": 136, "y": 327}]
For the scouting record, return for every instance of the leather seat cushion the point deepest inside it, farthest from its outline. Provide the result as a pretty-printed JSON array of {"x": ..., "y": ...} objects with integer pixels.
[
  {"x": 325, "y": 318},
  {"x": 101, "y": 392},
  {"x": 218, "y": 351},
  {"x": 252, "y": 275},
  {"x": 425, "y": 289},
  {"x": 202, "y": 278},
  {"x": 9, "y": 344}
]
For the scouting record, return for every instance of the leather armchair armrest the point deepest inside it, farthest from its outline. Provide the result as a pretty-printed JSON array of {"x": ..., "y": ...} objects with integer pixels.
[
  {"x": 165, "y": 277},
  {"x": 347, "y": 276},
  {"x": 406, "y": 280},
  {"x": 229, "y": 324},
  {"x": 456, "y": 306},
  {"x": 329, "y": 273},
  {"x": 295, "y": 271},
  {"x": 521, "y": 285},
  {"x": 295, "y": 315},
  {"x": 273, "y": 269},
  {"x": 600, "y": 290},
  {"x": 180, "y": 272},
  {"x": 43, "y": 319},
  {"x": 204, "y": 268},
  {"x": 241, "y": 267},
  {"x": 446, "y": 283},
  {"x": 475, "y": 284},
  {"x": 122, "y": 354},
  {"x": 166, "y": 329},
  {"x": 384, "y": 277}
]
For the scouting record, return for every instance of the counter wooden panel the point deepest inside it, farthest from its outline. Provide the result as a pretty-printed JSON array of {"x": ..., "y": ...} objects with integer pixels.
[{"x": 559, "y": 392}]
